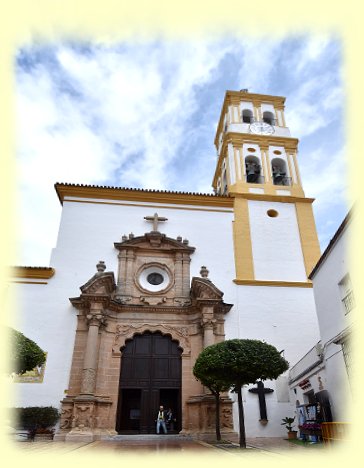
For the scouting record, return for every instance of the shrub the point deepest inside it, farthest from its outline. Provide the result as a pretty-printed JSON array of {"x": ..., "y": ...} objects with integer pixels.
[
  {"x": 26, "y": 354},
  {"x": 35, "y": 417}
]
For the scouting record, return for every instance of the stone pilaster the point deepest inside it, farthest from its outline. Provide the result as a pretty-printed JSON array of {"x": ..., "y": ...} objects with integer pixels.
[
  {"x": 186, "y": 260},
  {"x": 95, "y": 319},
  {"x": 208, "y": 322},
  {"x": 178, "y": 275},
  {"x": 129, "y": 273}
]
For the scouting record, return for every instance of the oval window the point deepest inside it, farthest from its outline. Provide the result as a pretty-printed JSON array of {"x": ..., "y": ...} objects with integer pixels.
[{"x": 272, "y": 213}]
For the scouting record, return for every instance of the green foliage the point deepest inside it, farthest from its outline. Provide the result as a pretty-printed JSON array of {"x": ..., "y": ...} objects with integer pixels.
[
  {"x": 241, "y": 362},
  {"x": 35, "y": 417},
  {"x": 25, "y": 353},
  {"x": 288, "y": 422},
  {"x": 234, "y": 363},
  {"x": 211, "y": 381}
]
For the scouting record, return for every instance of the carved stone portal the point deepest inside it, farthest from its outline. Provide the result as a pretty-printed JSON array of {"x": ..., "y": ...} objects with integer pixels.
[{"x": 152, "y": 294}]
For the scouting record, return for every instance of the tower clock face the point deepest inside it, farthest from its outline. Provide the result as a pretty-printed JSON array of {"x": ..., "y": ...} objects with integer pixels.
[{"x": 261, "y": 128}]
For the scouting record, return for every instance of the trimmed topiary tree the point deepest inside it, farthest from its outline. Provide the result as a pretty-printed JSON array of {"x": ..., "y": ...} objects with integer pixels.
[
  {"x": 214, "y": 385},
  {"x": 242, "y": 362},
  {"x": 26, "y": 354}
]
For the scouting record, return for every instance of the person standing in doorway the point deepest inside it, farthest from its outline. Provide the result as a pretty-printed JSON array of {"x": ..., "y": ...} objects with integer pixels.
[{"x": 161, "y": 420}]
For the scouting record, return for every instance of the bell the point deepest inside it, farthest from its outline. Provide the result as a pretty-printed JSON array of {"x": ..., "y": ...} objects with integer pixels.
[
  {"x": 251, "y": 175},
  {"x": 278, "y": 177}
]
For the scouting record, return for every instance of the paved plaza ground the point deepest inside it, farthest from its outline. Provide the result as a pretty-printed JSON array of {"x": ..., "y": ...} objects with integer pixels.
[{"x": 157, "y": 444}]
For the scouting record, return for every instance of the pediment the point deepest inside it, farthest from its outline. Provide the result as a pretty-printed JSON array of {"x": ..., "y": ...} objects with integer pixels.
[
  {"x": 100, "y": 283},
  {"x": 203, "y": 288},
  {"x": 156, "y": 241}
]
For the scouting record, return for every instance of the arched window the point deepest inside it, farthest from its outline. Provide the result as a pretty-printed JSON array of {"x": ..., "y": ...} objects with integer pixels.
[
  {"x": 268, "y": 118},
  {"x": 247, "y": 116},
  {"x": 253, "y": 170},
  {"x": 279, "y": 172}
]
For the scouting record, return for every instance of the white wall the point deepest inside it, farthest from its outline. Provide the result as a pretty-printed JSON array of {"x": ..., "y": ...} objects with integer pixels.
[
  {"x": 277, "y": 253},
  {"x": 331, "y": 311},
  {"x": 46, "y": 317},
  {"x": 284, "y": 317}
]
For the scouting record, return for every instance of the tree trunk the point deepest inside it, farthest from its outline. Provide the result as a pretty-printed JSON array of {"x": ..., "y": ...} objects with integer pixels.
[
  {"x": 217, "y": 416},
  {"x": 242, "y": 440}
]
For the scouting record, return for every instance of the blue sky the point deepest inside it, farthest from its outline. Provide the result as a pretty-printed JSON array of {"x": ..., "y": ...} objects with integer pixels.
[{"x": 144, "y": 114}]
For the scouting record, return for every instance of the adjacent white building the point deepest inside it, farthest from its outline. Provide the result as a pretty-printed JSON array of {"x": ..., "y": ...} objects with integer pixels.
[{"x": 323, "y": 375}]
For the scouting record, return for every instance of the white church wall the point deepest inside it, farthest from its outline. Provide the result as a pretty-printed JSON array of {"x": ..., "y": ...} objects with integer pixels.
[
  {"x": 87, "y": 234},
  {"x": 276, "y": 245},
  {"x": 48, "y": 319},
  {"x": 285, "y": 318}
]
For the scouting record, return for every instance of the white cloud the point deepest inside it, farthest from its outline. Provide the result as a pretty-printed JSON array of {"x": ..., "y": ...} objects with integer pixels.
[
  {"x": 129, "y": 113},
  {"x": 129, "y": 118}
]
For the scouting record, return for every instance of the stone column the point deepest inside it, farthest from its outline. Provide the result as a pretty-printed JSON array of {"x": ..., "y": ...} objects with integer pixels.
[{"x": 95, "y": 319}]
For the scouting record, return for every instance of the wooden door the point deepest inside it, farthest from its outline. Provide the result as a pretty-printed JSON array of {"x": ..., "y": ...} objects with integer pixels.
[{"x": 150, "y": 373}]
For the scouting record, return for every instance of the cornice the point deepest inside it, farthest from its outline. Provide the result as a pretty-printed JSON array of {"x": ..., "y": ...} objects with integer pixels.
[
  {"x": 32, "y": 272},
  {"x": 273, "y": 198},
  {"x": 282, "y": 284},
  {"x": 140, "y": 195}
]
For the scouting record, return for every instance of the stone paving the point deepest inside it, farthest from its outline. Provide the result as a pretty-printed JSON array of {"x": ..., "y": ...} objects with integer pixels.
[{"x": 150, "y": 444}]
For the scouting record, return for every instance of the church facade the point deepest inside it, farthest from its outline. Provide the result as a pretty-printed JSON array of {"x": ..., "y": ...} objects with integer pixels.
[{"x": 141, "y": 281}]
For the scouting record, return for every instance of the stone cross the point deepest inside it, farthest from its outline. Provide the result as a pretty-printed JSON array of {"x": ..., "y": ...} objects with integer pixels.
[
  {"x": 155, "y": 220},
  {"x": 261, "y": 391}
]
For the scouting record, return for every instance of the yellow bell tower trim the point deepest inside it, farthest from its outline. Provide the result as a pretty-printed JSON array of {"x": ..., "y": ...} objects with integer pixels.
[
  {"x": 244, "y": 266},
  {"x": 309, "y": 241}
]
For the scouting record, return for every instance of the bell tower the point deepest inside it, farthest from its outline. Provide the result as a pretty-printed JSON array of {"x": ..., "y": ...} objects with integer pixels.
[{"x": 274, "y": 229}]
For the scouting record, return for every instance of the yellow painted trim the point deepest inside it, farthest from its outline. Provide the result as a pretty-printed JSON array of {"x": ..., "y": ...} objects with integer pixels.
[
  {"x": 149, "y": 206},
  {"x": 288, "y": 156},
  {"x": 32, "y": 272},
  {"x": 236, "y": 162},
  {"x": 29, "y": 282},
  {"x": 308, "y": 235},
  {"x": 259, "y": 113},
  {"x": 242, "y": 240},
  {"x": 235, "y": 113},
  {"x": 279, "y": 284},
  {"x": 294, "y": 154},
  {"x": 111, "y": 193},
  {"x": 283, "y": 119}
]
